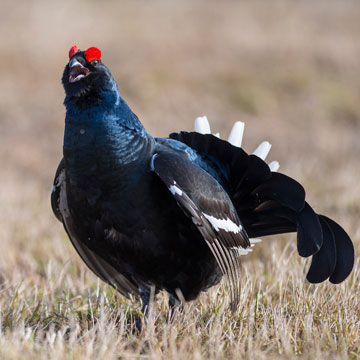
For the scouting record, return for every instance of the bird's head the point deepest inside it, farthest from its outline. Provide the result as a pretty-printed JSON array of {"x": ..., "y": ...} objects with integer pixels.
[{"x": 85, "y": 75}]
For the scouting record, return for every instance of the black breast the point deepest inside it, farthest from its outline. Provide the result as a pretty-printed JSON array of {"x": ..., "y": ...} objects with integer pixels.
[{"x": 138, "y": 228}]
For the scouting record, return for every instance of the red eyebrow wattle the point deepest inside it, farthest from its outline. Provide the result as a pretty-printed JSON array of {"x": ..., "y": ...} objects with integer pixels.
[
  {"x": 73, "y": 51},
  {"x": 92, "y": 53}
]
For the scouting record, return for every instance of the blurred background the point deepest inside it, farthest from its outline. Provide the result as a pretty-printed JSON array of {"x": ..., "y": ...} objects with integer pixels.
[{"x": 288, "y": 69}]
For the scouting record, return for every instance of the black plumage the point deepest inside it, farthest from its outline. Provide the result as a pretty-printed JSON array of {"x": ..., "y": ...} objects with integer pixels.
[{"x": 172, "y": 213}]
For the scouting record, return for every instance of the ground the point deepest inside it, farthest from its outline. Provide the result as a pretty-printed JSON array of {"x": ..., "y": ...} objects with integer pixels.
[{"x": 290, "y": 70}]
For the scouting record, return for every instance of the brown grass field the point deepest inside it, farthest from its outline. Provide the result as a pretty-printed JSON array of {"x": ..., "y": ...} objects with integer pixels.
[{"x": 290, "y": 70}]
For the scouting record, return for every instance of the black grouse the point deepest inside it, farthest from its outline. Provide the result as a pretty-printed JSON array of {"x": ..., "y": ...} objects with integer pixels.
[{"x": 172, "y": 213}]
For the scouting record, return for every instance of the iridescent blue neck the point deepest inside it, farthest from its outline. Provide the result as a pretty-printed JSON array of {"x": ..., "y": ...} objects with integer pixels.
[
  {"x": 107, "y": 102},
  {"x": 104, "y": 131}
]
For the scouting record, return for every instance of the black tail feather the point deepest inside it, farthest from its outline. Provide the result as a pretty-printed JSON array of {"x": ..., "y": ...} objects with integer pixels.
[
  {"x": 268, "y": 218},
  {"x": 344, "y": 252},
  {"x": 282, "y": 189},
  {"x": 242, "y": 170},
  {"x": 256, "y": 174},
  {"x": 324, "y": 261},
  {"x": 277, "y": 226},
  {"x": 272, "y": 203},
  {"x": 309, "y": 233}
]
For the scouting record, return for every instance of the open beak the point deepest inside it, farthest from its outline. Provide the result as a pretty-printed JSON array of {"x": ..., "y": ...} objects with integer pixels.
[{"x": 77, "y": 70}]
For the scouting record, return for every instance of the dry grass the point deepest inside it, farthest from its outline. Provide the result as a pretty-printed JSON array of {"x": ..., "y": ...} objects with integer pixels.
[{"x": 288, "y": 69}]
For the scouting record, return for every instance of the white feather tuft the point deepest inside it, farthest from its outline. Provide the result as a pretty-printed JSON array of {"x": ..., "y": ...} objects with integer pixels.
[
  {"x": 254, "y": 240},
  {"x": 202, "y": 125},
  {"x": 226, "y": 224},
  {"x": 262, "y": 150},
  {"x": 274, "y": 166},
  {"x": 241, "y": 251},
  {"x": 236, "y": 134},
  {"x": 175, "y": 190}
]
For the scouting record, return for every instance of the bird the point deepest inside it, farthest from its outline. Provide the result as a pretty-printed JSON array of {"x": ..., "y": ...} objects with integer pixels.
[{"x": 175, "y": 213}]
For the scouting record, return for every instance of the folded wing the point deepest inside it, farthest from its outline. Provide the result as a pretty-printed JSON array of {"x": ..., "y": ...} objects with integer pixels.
[{"x": 204, "y": 201}]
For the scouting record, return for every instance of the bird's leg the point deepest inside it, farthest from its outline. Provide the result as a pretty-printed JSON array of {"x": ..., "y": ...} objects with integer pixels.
[
  {"x": 174, "y": 305},
  {"x": 145, "y": 299},
  {"x": 145, "y": 293}
]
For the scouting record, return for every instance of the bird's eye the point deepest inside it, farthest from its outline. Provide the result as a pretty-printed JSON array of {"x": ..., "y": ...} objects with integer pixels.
[{"x": 94, "y": 62}]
